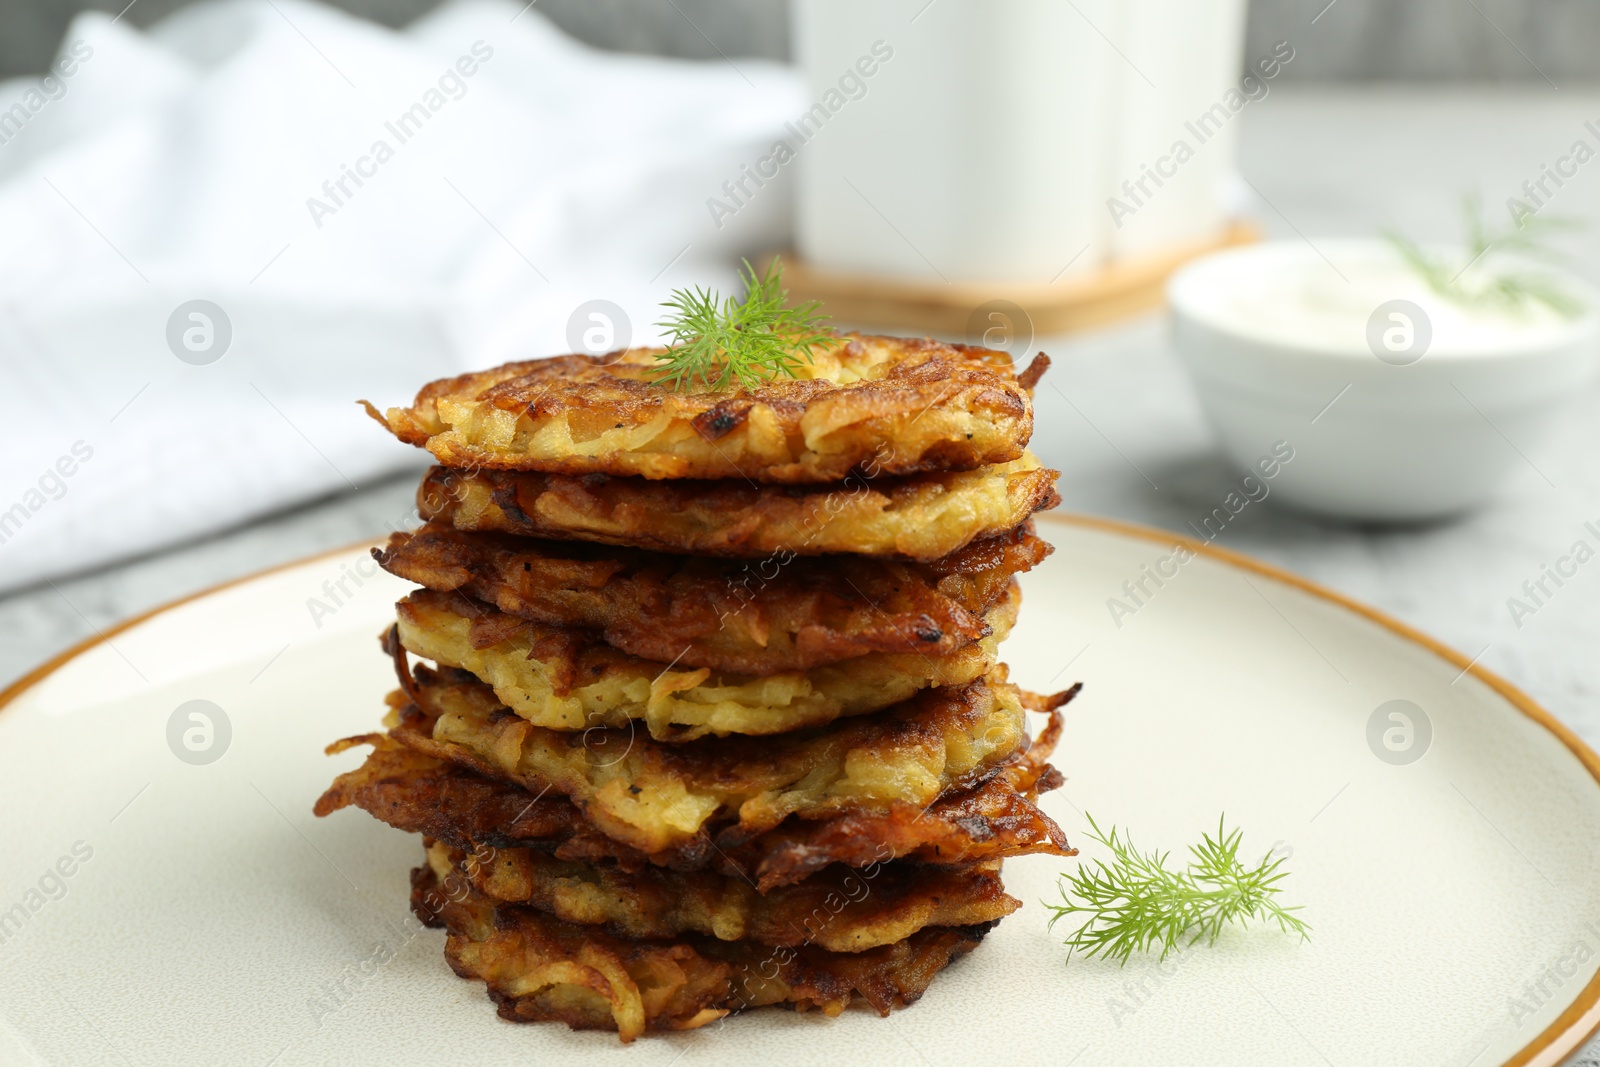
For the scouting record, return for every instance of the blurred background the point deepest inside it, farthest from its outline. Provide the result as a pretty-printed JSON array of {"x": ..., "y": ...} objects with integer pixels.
[{"x": 1371, "y": 40}]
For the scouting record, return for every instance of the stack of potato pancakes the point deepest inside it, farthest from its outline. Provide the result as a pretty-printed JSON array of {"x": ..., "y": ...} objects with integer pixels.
[{"x": 716, "y": 718}]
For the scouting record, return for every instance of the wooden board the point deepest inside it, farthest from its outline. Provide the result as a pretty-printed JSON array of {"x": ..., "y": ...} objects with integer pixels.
[{"x": 1076, "y": 302}]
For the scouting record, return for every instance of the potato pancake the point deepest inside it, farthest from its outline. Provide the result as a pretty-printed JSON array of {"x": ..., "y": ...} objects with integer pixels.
[
  {"x": 922, "y": 517},
  {"x": 655, "y": 796},
  {"x": 878, "y": 405},
  {"x": 764, "y": 618},
  {"x": 418, "y": 793},
  {"x": 540, "y": 969},
  {"x": 998, "y": 819},
  {"x": 840, "y": 909},
  {"x": 571, "y": 680}
]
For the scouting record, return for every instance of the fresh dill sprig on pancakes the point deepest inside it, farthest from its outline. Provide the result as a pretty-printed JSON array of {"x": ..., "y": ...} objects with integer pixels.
[
  {"x": 717, "y": 341},
  {"x": 1136, "y": 903},
  {"x": 1512, "y": 290}
]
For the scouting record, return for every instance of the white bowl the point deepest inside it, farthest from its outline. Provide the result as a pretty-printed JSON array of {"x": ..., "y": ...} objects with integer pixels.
[{"x": 1295, "y": 349}]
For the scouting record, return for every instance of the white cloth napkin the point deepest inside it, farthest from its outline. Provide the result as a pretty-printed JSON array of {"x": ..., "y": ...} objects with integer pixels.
[{"x": 511, "y": 175}]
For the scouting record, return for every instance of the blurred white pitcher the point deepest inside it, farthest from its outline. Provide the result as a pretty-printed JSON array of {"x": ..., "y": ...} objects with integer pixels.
[{"x": 963, "y": 140}]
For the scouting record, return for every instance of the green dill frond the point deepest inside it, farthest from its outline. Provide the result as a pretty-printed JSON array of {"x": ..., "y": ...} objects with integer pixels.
[
  {"x": 750, "y": 341},
  {"x": 1513, "y": 291},
  {"x": 1136, "y": 903}
]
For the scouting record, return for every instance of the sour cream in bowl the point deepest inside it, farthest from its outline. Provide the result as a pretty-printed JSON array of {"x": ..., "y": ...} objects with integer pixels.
[{"x": 1399, "y": 404}]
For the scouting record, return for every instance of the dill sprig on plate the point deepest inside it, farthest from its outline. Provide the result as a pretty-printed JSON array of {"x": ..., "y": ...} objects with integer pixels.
[
  {"x": 1136, "y": 903},
  {"x": 718, "y": 341},
  {"x": 1512, "y": 290}
]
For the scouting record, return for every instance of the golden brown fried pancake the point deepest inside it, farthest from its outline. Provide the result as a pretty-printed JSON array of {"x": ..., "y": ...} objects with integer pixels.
[
  {"x": 922, "y": 517},
  {"x": 571, "y": 680},
  {"x": 880, "y": 405},
  {"x": 840, "y": 909},
  {"x": 749, "y": 618},
  {"x": 434, "y": 797},
  {"x": 540, "y": 969},
  {"x": 440, "y": 799},
  {"x": 655, "y": 796}
]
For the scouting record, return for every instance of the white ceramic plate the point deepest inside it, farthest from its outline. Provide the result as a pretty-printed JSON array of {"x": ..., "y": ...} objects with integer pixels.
[{"x": 209, "y": 918}]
